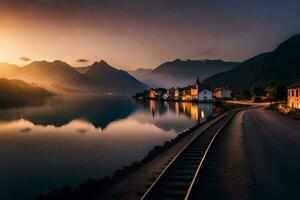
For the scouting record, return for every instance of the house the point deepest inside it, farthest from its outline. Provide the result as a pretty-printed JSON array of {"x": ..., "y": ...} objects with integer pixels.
[
  {"x": 191, "y": 92},
  {"x": 152, "y": 93},
  {"x": 178, "y": 93},
  {"x": 170, "y": 93},
  {"x": 157, "y": 93},
  {"x": 222, "y": 93},
  {"x": 205, "y": 94},
  {"x": 294, "y": 95},
  {"x": 160, "y": 92},
  {"x": 187, "y": 93},
  {"x": 166, "y": 96},
  {"x": 197, "y": 92}
]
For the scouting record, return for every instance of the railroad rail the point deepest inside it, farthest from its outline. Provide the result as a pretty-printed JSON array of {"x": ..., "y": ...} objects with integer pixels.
[{"x": 177, "y": 180}]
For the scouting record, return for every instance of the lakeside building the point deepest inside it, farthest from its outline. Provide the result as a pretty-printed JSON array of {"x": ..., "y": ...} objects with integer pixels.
[
  {"x": 222, "y": 93},
  {"x": 169, "y": 94},
  {"x": 178, "y": 93},
  {"x": 152, "y": 93},
  {"x": 205, "y": 94},
  {"x": 294, "y": 95},
  {"x": 195, "y": 92},
  {"x": 189, "y": 93},
  {"x": 157, "y": 93}
]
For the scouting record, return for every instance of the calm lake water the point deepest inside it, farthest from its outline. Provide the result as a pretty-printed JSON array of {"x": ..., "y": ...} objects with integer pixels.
[{"x": 69, "y": 139}]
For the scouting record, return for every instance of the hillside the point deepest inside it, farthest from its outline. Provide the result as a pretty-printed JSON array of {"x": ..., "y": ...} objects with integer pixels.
[
  {"x": 140, "y": 73},
  {"x": 281, "y": 65},
  {"x": 17, "y": 90},
  {"x": 110, "y": 79},
  {"x": 59, "y": 76},
  {"x": 47, "y": 73},
  {"x": 182, "y": 73}
]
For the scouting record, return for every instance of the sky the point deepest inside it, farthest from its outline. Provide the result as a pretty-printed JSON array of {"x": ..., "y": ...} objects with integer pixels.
[{"x": 130, "y": 34}]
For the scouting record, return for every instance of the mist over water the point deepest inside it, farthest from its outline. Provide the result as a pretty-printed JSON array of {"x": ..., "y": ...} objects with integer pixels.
[{"x": 69, "y": 139}]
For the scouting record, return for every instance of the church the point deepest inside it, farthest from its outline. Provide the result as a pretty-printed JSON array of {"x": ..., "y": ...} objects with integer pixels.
[{"x": 197, "y": 92}]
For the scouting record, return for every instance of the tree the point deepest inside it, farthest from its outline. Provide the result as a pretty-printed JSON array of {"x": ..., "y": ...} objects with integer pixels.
[
  {"x": 275, "y": 92},
  {"x": 242, "y": 95},
  {"x": 256, "y": 90}
]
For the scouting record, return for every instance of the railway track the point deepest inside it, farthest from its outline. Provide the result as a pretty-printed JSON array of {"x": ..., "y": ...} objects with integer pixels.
[{"x": 177, "y": 180}]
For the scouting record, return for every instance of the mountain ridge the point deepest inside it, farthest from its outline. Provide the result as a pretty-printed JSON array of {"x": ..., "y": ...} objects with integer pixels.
[
  {"x": 17, "y": 90},
  {"x": 281, "y": 65},
  {"x": 121, "y": 79},
  {"x": 59, "y": 75},
  {"x": 182, "y": 72}
]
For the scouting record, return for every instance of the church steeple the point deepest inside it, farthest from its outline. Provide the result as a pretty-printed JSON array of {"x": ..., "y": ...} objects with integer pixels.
[{"x": 197, "y": 82}]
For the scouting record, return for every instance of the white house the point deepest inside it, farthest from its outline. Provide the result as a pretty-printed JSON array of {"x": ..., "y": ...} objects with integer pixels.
[
  {"x": 205, "y": 94},
  {"x": 166, "y": 96}
]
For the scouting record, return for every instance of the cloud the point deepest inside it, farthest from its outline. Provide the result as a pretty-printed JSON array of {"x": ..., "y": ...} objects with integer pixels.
[
  {"x": 24, "y": 130},
  {"x": 25, "y": 59},
  {"x": 82, "y": 60}
]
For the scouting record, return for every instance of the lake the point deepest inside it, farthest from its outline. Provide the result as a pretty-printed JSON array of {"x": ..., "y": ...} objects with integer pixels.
[{"x": 69, "y": 139}]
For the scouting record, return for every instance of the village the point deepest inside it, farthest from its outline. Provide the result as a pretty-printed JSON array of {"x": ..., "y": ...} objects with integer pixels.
[{"x": 200, "y": 93}]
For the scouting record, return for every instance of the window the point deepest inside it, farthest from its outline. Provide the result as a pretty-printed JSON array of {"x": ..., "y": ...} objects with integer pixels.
[
  {"x": 297, "y": 93},
  {"x": 292, "y": 93}
]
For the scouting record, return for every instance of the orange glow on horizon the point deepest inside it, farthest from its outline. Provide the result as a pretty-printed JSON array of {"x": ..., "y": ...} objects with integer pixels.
[{"x": 45, "y": 41}]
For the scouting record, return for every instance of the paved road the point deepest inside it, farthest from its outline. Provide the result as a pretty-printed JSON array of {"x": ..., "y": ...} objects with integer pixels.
[{"x": 256, "y": 157}]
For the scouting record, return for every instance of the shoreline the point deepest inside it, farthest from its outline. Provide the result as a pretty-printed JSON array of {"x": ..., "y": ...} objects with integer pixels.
[
  {"x": 135, "y": 184},
  {"x": 105, "y": 187},
  {"x": 174, "y": 100}
]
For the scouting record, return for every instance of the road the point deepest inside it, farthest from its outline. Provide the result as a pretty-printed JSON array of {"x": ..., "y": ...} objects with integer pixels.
[{"x": 257, "y": 156}]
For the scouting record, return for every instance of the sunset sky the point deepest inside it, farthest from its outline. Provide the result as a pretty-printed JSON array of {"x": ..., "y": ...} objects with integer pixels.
[{"x": 142, "y": 33}]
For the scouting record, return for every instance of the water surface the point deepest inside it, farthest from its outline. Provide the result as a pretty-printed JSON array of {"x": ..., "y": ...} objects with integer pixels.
[{"x": 69, "y": 139}]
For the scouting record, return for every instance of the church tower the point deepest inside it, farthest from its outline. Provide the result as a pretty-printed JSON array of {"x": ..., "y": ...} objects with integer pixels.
[
  {"x": 197, "y": 83},
  {"x": 197, "y": 86}
]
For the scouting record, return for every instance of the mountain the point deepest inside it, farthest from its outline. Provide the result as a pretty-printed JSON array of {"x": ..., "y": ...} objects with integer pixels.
[
  {"x": 17, "y": 90},
  {"x": 113, "y": 80},
  {"x": 8, "y": 70},
  {"x": 182, "y": 73},
  {"x": 60, "y": 76},
  {"x": 52, "y": 73},
  {"x": 82, "y": 69},
  {"x": 281, "y": 65},
  {"x": 140, "y": 73}
]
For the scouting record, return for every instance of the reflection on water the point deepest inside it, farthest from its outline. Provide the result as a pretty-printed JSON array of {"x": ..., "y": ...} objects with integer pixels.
[
  {"x": 197, "y": 112},
  {"x": 69, "y": 139}
]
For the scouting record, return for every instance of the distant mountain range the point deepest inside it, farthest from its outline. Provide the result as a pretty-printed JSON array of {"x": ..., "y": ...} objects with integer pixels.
[
  {"x": 181, "y": 73},
  {"x": 281, "y": 65},
  {"x": 140, "y": 73},
  {"x": 97, "y": 78}
]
